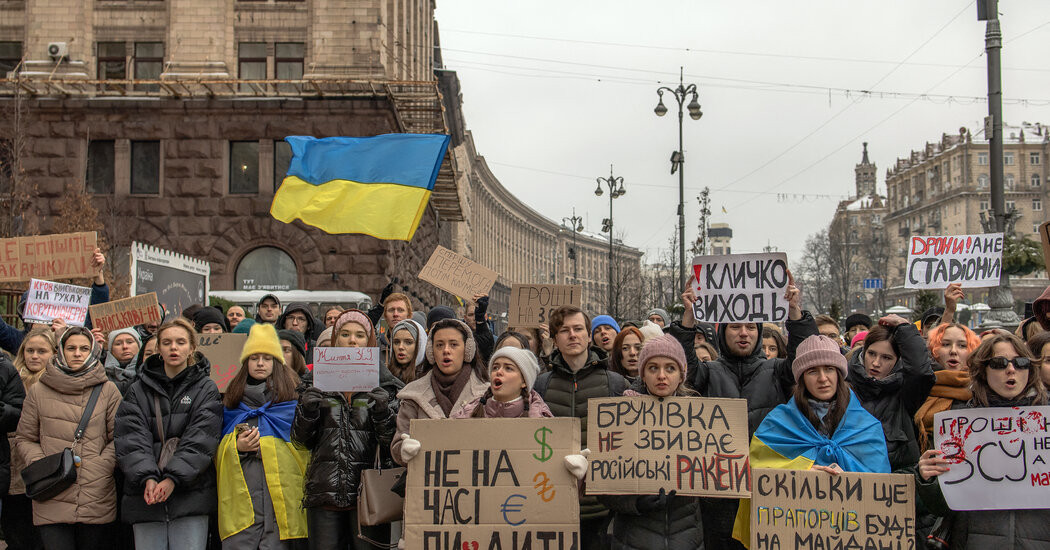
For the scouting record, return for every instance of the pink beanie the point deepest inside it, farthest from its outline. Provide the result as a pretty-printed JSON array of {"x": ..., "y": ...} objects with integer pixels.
[
  {"x": 859, "y": 337},
  {"x": 663, "y": 346},
  {"x": 817, "y": 351},
  {"x": 352, "y": 316}
]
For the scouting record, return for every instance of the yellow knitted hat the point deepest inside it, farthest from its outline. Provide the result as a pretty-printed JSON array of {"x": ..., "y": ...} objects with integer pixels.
[{"x": 263, "y": 339}]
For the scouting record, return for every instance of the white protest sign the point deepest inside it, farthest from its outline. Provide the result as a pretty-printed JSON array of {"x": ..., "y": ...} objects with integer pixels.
[
  {"x": 973, "y": 260},
  {"x": 346, "y": 369},
  {"x": 48, "y": 301},
  {"x": 740, "y": 288},
  {"x": 998, "y": 457}
]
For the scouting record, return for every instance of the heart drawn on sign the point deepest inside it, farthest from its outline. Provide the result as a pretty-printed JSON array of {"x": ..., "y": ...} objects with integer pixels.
[{"x": 470, "y": 545}]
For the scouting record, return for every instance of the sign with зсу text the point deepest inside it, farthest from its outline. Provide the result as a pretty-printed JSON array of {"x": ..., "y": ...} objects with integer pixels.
[
  {"x": 47, "y": 301},
  {"x": 692, "y": 445},
  {"x": 478, "y": 484},
  {"x": 455, "y": 274},
  {"x": 974, "y": 260},
  {"x": 136, "y": 310},
  {"x": 61, "y": 256},
  {"x": 224, "y": 353},
  {"x": 532, "y": 305},
  {"x": 346, "y": 369},
  {"x": 793, "y": 509},
  {"x": 740, "y": 288},
  {"x": 998, "y": 457}
]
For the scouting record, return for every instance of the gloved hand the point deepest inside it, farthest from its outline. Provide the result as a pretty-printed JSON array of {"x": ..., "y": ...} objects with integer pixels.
[
  {"x": 311, "y": 400},
  {"x": 481, "y": 309},
  {"x": 653, "y": 503},
  {"x": 577, "y": 464},
  {"x": 409, "y": 448},
  {"x": 380, "y": 399},
  {"x": 387, "y": 291}
]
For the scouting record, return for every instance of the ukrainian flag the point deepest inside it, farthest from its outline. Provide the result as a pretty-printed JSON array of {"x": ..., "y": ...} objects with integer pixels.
[
  {"x": 787, "y": 440},
  {"x": 284, "y": 464},
  {"x": 378, "y": 185}
]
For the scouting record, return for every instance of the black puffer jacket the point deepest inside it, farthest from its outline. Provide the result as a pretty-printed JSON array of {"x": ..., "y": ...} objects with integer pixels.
[
  {"x": 566, "y": 394},
  {"x": 192, "y": 411},
  {"x": 12, "y": 393},
  {"x": 343, "y": 440},
  {"x": 765, "y": 383},
  {"x": 895, "y": 399},
  {"x": 988, "y": 529}
]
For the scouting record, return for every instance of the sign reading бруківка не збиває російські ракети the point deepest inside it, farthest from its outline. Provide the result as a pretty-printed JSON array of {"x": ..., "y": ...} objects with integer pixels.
[
  {"x": 975, "y": 261},
  {"x": 740, "y": 288}
]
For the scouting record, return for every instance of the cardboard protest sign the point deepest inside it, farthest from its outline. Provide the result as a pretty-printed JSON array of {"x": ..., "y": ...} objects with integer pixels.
[
  {"x": 740, "y": 288},
  {"x": 693, "y": 445},
  {"x": 61, "y": 256},
  {"x": 346, "y": 369},
  {"x": 492, "y": 483},
  {"x": 1044, "y": 235},
  {"x": 532, "y": 305},
  {"x": 453, "y": 273},
  {"x": 47, "y": 301},
  {"x": 811, "y": 509},
  {"x": 136, "y": 310},
  {"x": 224, "y": 353},
  {"x": 998, "y": 457},
  {"x": 973, "y": 260}
]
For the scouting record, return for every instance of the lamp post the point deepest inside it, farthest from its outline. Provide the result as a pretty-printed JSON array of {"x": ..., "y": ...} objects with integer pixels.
[
  {"x": 607, "y": 225},
  {"x": 678, "y": 157},
  {"x": 576, "y": 225}
]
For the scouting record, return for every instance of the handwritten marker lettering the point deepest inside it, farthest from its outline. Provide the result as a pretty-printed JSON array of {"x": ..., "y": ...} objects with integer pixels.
[
  {"x": 545, "y": 450},
  {"x": 509, "y": 507},
  {"x": 545, "y": 482}
]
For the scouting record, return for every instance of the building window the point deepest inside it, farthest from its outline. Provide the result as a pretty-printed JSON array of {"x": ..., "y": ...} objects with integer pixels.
[
  {"x": 267, "y": 268},
  {"x": 983, "y": 206},
  {"x": 7, "y": 158},
  {"x": 244, "y": 167},
  {"x": 10, "y": 57},
  {"x": 1010, "y": 206},
  {"x": 982, "y": 159},
  {"x": 1008, "y": 159},
  {"x": 1037, "y": 205},
  {"x": 251, "y": 61},
  {"x": 100, "y": 167},
  {"x": 1035, "y": 228},
  {"x": 112, "y": 61},
  {"x": 149, "y": 62},
  {"x": 1033, "y": 158},
  {"x": 1036, "y": 181},
  {"x": 288, "y": 60},
  {"x": 145, "y": 167},
  {"x": 1009, "y": 181},
  {"x": 282, "y": 157},
  {"x": 982, "y": 181}
]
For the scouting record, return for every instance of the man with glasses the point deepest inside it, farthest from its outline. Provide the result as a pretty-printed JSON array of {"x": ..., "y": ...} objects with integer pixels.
[{"x": 298, "y": 317}]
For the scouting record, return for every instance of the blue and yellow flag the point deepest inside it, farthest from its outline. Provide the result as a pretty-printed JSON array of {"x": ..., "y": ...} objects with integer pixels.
[
  {"x": 378, "y": 185},
  {"x": 787, "y": 440},
  {"x": 284, "y": 464}
]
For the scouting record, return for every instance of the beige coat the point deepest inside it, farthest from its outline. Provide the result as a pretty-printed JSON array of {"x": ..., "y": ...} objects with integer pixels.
[
  {"x": 50, "y": 415},
  {"x": 419, "y": 401}
]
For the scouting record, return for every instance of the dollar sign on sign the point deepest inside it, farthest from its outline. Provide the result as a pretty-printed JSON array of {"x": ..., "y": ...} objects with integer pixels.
[{"x": 545, "y": 450}]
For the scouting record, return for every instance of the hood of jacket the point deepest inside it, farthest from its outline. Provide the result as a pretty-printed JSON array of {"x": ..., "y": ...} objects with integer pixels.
[
  {"x": 1041, "y": 308},
  {"x": 72, "y": 385},
  {"x": 730, "y": 358},
  {"x": 311, "y": 322}
]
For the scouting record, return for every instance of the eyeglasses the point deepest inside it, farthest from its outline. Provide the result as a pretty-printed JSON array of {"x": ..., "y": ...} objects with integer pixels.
[{"x": 1000, "y": 363}]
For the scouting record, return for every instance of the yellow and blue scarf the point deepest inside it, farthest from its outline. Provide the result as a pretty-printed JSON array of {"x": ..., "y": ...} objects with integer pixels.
[{"x": 284, "y": 464}]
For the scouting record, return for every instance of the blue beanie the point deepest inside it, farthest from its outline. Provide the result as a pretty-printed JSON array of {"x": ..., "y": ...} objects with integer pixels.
[{"x": 603, "y": 320}]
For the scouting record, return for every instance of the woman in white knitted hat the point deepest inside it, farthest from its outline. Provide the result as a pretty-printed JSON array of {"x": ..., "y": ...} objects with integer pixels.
[{"x": 512, "y": 372}]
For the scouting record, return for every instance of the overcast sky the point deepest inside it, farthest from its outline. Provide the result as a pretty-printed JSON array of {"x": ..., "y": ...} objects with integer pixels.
[{"x": 554, "y": 92}]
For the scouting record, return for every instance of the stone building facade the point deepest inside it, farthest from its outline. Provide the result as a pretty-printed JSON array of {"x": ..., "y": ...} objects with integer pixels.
[
  {"x": 858, "y": 242},
  {"x": 944, "y": 189}
]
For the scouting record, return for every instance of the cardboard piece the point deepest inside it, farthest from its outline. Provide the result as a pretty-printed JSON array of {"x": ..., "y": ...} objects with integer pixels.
[
  {"x": 998, "y": 457},
  {"x": 224, "y": 353},
  {"x": 697, "y": 446},
  {"x": 812, "y": 509},
  {"x": 48, "y": 301},
  {"x": 1044, "y": 234},
  {"x": 60, "y": 256},
  {"x": 973, "y": 260},
  {"x": 136, "y": 310},
  {"x": 740, "y": 288},
  {"x": 455, "y": 274},
  {"x": 532, "y": 305},
  {"x": 346, "y": 369},
  {"x": 492, "y": 483}
]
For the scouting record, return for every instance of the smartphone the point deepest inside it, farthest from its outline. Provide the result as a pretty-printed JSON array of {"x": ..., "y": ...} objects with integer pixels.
[{"x": 242, "y": 427}]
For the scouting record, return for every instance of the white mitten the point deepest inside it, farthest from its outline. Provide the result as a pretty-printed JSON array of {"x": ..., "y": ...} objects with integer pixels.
[
  {"x": 577, "y": 464},
  {"x": 409, "y": 448}
]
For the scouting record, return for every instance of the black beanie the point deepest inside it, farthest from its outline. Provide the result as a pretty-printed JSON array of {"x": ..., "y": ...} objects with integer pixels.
[
  {"x": 857, "y": 319},
  {"x": 296, "y": 339},
  {"x": 206, "y": 315},
  {"x": 438, "y": 314}
]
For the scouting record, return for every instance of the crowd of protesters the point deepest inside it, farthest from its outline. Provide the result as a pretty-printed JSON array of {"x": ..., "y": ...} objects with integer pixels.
[{"x": 167, "y": 461}]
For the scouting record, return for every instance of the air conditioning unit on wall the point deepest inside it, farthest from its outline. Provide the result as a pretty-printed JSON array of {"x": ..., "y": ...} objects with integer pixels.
[{"x": 58, "y": 50}]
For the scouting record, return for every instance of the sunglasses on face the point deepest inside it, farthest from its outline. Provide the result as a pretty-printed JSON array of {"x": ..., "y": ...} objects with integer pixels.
[{"x": 1019, "y": 363}]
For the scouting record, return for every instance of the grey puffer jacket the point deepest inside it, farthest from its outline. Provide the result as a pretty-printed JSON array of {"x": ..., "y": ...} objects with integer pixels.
[
  {"x": 895, "y": 399},
  {"x": 765, "y": 383}
]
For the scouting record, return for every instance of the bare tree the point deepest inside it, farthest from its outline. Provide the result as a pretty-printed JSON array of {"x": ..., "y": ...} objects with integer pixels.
[
  {"x": 814, "y": 272},
  {"x": 17, "y": 193},
  {"x": 846, "y": 272}
]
